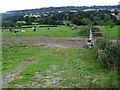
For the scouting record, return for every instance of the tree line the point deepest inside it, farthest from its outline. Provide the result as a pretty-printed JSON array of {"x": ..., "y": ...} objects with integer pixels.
[
  {"x": 100, "y": 17},
  {"x": 64, "y": 8}
]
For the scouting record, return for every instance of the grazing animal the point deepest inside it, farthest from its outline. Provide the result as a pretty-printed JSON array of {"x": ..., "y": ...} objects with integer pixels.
[
  {"x": 34, "y": 29},
  {"x": 22, "y": 30},
  {"x": 15, "y": 31},
  {"x": 72, "y": 28}
]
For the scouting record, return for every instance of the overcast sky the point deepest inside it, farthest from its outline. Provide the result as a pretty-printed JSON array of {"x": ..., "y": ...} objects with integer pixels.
[{"x": 7, "y": 5}]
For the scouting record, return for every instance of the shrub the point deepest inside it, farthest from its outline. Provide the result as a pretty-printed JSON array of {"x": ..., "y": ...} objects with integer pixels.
[
  {"x": 84, "y": 31},
  {"x": 108, "y": 53},
  {"x": 19, "y": 24},
  {"x": 96, "y": 31},
  {"x": 7, "y": 24}
]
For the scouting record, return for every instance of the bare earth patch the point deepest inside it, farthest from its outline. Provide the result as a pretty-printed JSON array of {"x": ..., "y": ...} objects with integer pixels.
[
  {"x": 47, "y": 80},
  {"x": 51, "y": 42}
]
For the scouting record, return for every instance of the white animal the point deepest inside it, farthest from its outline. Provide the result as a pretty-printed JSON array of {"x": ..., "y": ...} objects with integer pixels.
[{"x": 22, "y": 30}]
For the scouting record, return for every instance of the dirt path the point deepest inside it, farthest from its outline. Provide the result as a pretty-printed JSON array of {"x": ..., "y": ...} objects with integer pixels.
[
  {"x": 50, "y": 79},
  {"x": 52, "y": 42},
  {"x": 17, "y": 70},
  {"x": 10, "y": 75},
  {"x": 59, "y": 42}
]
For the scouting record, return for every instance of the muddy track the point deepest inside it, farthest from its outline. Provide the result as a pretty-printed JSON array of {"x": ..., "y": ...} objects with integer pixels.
[
  {"x": 52, "y": 42},
  {"x": 17, "y": 70}
]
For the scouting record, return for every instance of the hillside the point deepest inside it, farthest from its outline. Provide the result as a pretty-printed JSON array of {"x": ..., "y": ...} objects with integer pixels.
[{"x": 66, "y": 8}]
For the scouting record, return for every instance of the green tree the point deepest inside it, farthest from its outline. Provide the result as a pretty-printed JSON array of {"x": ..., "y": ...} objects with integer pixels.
[
  {"x": 7, "y": 24},
  {"x": 76, "y": 20},
  {"x": 19, "y": 24},
  {"x": 88, "y": 22},
  {"x": 27, "y": 20},
  {"x": 116, "y": 12},
  {"x": 108, "y": 23}
]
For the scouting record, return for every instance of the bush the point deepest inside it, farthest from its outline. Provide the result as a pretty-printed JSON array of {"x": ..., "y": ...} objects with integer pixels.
[
  {"x": 7, "y": 24},
  {"x": 108, "y": 53},
  {"x": 84, "y": 31},
  {"x": 19, "y": 24},
  {"x": 96, "y": 31}
]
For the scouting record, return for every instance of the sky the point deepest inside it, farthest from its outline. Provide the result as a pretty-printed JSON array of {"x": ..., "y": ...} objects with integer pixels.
[{"x": 8, "y": 5}]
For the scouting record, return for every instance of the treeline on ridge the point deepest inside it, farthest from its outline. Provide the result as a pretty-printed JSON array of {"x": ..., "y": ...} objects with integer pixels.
[{"x": 62, "y": 18}]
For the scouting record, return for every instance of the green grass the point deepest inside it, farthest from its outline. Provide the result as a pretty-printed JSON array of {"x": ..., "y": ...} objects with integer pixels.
[
  {"x": 21, "y": 22},
  {"x": 81, "y": 69},
  {"x": 60, "y": 31},
  {"x": 13, "y": 54},
  {"x": 112, "y": 34}
]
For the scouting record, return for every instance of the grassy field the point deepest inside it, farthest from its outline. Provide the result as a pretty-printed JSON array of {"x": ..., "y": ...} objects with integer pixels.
[
  {"x": 36, "y": 66},
  {"x": 113, "y": 31},
  {"x": 71, "y": 67},
  {"x": 60, "y": 31}
]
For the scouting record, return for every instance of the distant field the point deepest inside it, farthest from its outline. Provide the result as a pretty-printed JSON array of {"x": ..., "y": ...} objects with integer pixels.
[
  {"x": 113, "y": 31},
  {"x": 60, "y": 31}
]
